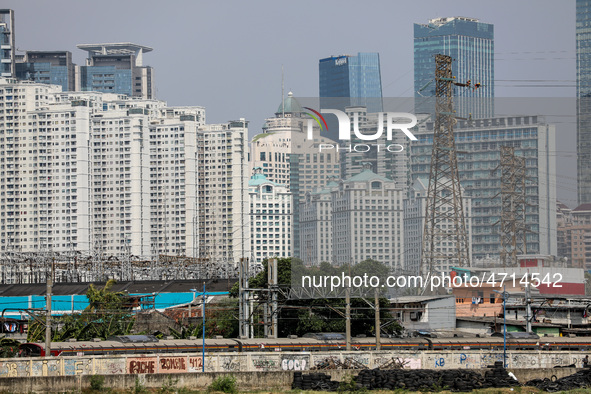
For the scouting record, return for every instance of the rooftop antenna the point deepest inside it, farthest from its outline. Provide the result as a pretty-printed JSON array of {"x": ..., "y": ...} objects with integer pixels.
[{"x": 282, "y": 93}]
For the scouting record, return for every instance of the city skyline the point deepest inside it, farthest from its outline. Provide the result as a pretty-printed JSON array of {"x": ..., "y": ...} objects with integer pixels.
[
  {"x": 223, "y": 74},
  {"x": 304, "y": 81},
  {"x": 131, "y": 223}
]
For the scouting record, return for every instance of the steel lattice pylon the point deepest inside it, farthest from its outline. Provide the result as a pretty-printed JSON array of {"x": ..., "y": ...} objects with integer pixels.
[
  {"x": 444, "y": 211},
  {"x": 513, "y": 205}
]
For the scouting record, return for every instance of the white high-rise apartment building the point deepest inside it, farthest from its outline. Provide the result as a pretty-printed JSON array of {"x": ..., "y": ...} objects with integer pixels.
[
  {"x": 144, "y": 178},
  {"x": 316, "y": 226},
  {"x": 415, "y": 206},
  {"x": 481, "y": 140},
  {"x": 222, "y": 187},
  {"x": 96, "y": 172},
  {"x": 270, "y": 218},
  {"x": 287, "y": 157},
  {"x": 283, "y": 139},
  {"x": 44, "y": 186},
  {"x": 388, "y": 158},
  {"x": 173, "y": 154},
  {"x": 367, "y": 220}
]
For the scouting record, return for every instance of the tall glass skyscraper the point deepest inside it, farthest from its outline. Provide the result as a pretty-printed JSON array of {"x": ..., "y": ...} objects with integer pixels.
[
  {"x": 583, "y": 34},
  {"x": 53, "y": 67},
  {"x": 471, "y": 44},
  {"x": 7, "y": 50},
  {"x": 111, "y": 68},
  {"x": 117, "y": 68},
  {"x": 348, "y": 80}
]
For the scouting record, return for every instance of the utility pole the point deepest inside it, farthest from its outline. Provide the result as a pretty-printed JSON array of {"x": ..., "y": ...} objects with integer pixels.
[
  {"x": 504, "y": 327},
  {"x": 378, "y": 334},
  {"x": 528, "y": 316},
  {"x": 568, "y": 315},
  {"x": 266, "y": 320},
  {"x": 505, "y": 296},
  {"x": 251, "y": 321},
  {"x": 190, "y": 305},
  {"x": 273, "y": 280},
  {"x": 348, "y": 318},
  {"x": 203, "y": 330},
  {"x": 444, "y": 214},
  {"x": 243, "y": 294},
  {"x": 48, "y": 307}
]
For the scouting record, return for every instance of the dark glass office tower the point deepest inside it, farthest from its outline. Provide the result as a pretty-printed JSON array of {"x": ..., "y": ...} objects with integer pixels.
[
  {"x": 117, "y": 68},
  {"x": 53, "y": 67},
  {"x": 583, "y": 35},
  {"x": 7, "y": 50},
  {"x": 471, "y": 44},
  {"x": 348, "y": 80}
]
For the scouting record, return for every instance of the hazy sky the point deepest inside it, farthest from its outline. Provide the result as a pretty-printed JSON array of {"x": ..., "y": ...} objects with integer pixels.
[{"x": 227, "y": 55}]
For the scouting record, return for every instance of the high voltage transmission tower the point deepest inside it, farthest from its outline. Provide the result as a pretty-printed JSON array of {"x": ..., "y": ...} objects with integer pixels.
[
  {"x": 513, "y": 206},
  {"x": 445, "y": 223}
]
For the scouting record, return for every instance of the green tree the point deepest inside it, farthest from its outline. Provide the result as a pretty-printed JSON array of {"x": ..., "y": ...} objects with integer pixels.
[
  {"x": 107, "y": 314},
  {"x": 284, "y": 267},
  {"x": 221, "y": 318},
  {"x": 259, "y": 281},
  {"x": 8, "y": 347},
  {"x": 303, "y": 316},
  {"x": 371, "y": 268},
  {"x": 192, "y": 330},
  {"x": 102, "y": 301}
]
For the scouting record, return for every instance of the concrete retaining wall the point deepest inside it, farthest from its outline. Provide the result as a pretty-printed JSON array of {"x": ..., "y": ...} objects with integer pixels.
[
  {"x": 272, "y": 361},
  {"x": 245, "y": 381},
  {"x": 271, "y": 381}
]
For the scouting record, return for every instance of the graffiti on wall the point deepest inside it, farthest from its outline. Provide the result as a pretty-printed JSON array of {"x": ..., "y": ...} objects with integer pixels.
[
  {"x": 47, "y": 367},
  {"x": 412, "y": 363},
  {"x": 78, "y": 366},
  {"x": 109, "y": 366},
  {"x": 229, "y": 363},
  {"x": 172, "y": 364},
  {"x": 13, "y": 369},
  {"x": 272, "y": 361},
  {"x": 295, "y": 363},
  {"x": 142, "y": 365},
  {"x": 265, "y": 362},
  {"x": 195, "y": 364}
]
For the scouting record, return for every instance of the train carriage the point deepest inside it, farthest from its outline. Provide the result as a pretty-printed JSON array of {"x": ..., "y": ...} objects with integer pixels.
[{"x": 309, "y": 343}]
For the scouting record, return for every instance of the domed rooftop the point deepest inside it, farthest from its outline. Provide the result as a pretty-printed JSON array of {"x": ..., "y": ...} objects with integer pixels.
[
  {"x": 258, "y": 178},
  {"x": 290, "y": 104}
]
